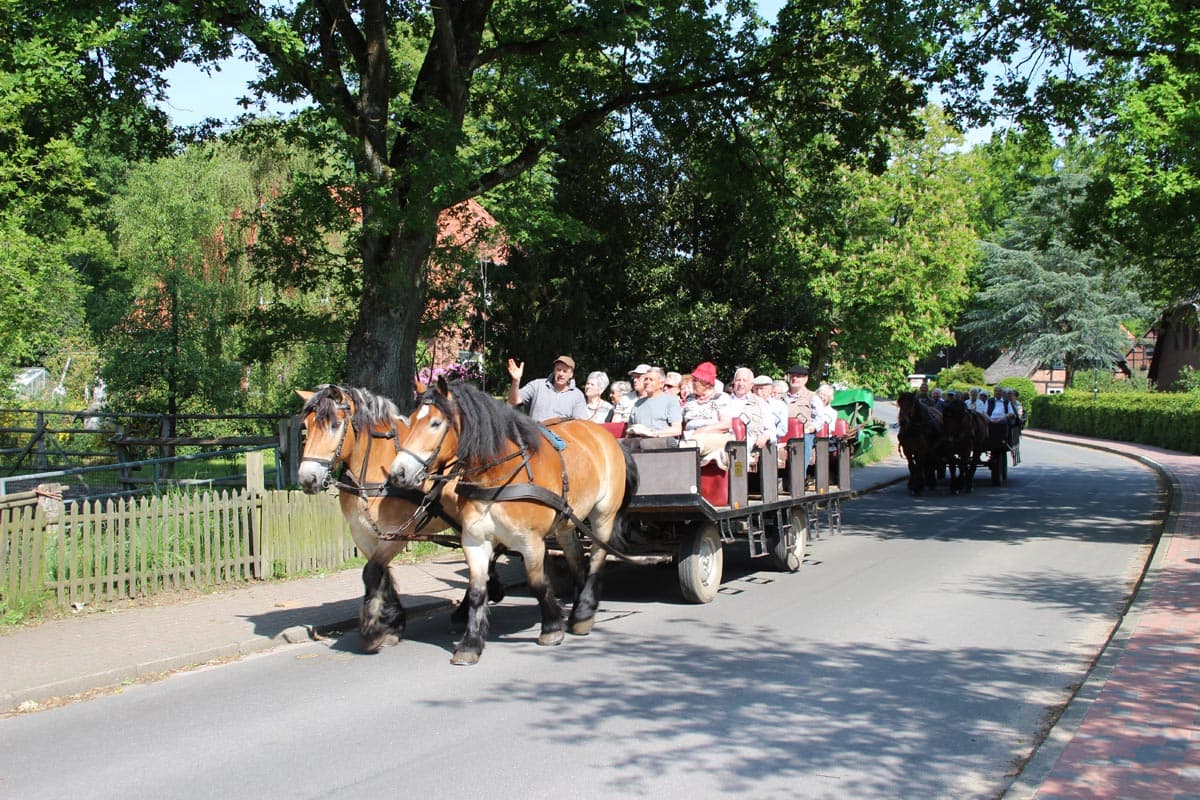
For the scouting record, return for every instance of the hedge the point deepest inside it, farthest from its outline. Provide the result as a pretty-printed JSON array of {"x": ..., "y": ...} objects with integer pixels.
[{"x": 1164, "y": 419}]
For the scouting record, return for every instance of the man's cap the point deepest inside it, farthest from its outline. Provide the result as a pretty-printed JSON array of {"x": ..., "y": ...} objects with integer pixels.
[
  {"x": 570, "y": 362},
  {"x": 951, "y": 393},
  {"x": 797, "y": 369},
  {"x": 640, "y": 369},
  {"x": 706, "y": 372},
  {"x": 764, "y": 380},
  {"x": 674, "y": 379}
]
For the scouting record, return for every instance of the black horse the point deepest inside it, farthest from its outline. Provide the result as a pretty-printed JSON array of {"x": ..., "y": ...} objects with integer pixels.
[
  {"x": 964, "y": 440},
  {"x": 920, "y": 439}
]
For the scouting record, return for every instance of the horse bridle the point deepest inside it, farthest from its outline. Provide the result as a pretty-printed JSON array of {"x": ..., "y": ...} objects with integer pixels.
[
  {"x": 334, "y": 457},
  {"x": 427, "y": 463}
]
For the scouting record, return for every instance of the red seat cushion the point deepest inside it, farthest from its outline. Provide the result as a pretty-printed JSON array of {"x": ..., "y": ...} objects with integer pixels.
[
  {"x": 617, "y": 429},
  {"x": 714, "y": 484},
  {"x": 738, "y": 429}
]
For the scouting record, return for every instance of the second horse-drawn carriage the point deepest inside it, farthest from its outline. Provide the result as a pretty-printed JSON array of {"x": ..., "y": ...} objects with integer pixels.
[{"x": 953, "y": 440}]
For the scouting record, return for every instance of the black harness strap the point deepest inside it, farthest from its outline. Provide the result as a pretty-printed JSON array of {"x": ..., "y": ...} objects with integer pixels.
[
  {"x": 428, "y": 504},
  {"x": 523, "y": 491},
  {"x": 507, "y": 490}
]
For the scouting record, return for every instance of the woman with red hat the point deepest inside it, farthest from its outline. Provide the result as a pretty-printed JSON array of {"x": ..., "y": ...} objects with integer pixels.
[{"x": 706, "y": 415}]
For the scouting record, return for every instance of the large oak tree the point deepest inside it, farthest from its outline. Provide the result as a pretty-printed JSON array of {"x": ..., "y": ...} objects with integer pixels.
[{"x": 439, "y": 102}]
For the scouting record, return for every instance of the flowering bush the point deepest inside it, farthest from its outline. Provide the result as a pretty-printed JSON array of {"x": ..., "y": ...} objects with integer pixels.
[{"x": 468, "y": 371}]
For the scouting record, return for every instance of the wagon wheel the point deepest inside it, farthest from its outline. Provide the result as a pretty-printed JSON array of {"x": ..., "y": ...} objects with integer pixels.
[
  {"x": 788, "y": 559},
  {"x": 701, "y": 561}
]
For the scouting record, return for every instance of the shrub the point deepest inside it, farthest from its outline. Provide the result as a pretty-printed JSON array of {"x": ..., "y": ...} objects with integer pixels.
[
  {"x": 1104, "y": 381},
  {"x": 1163, "y": 419},
  {"x": 1188, "y": 380},
  {"x": 964, "y": 375}
]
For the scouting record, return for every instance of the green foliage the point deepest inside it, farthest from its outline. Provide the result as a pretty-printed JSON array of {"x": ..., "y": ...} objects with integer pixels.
[
  {"x": 44, "y": 305},
  {"x": 169, "y": 302},
  {"x": 881, "y": 447},
  {"x": 887, "y": 257},
  {"x": 959, "y": 376},
  {"x": 1162, "y": 419},
  {"x": 1048, "y": 297},
  {"x": 1105, "y": 381},
  {"x": 1026, "y": 390},
  {"x": 529, "y": 81},
  {"x": 1188, "y": 380},
  {"x": 697, "y": 255}
]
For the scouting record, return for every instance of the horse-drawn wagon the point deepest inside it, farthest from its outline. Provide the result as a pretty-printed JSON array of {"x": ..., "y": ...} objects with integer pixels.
[
  {"x": 686, "y": 513},
  {"x": 467, "y": 462},
  {"x": 954, "y": 439}
]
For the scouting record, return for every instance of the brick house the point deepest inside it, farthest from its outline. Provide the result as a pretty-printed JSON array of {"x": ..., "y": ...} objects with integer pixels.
[
  {"x": 1177, "y": 336},
  {"x": 467, "y": 234}
]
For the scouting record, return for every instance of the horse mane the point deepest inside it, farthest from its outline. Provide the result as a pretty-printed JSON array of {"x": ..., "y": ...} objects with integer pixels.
[
  {"x": 369, "y": 409},
  {"x": 486, "y": 426}
]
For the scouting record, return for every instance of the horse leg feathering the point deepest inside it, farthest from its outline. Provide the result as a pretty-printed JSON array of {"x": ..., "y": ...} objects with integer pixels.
[
  {"x": 479, "y": 554},
  {"x": 382, "y": 619}
]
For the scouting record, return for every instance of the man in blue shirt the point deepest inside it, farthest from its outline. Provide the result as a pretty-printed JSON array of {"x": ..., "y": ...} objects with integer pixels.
[
  {"x": 658, "y": 414},
  {"x": 555, "y": 396}
]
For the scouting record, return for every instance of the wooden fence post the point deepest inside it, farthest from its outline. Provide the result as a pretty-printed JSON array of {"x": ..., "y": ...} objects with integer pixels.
[
  {"x": 289, "y": 448},
  {"x": 166, "y": 428},
  {"x": 40, "y": 439},
  {"x": 255, "y": 482}
]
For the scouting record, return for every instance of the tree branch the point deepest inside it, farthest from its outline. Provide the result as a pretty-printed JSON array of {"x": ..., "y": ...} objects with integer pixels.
[{"x": 590, "y": 117}]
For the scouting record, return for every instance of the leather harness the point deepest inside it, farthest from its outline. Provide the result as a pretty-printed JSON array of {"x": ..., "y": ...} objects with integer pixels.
[{"x": 428, "y": 504}]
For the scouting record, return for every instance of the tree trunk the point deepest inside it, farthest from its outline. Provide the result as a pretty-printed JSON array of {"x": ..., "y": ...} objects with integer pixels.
[{"x": 380, "y": 352}]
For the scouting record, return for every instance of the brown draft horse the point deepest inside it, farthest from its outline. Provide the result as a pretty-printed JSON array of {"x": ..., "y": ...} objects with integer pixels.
[
  {"x": 520, "y": 481},
  {"x": 357, "y": 432},
  {"x": 920, "y": 439},
  {"x": 965, "y": 439}
]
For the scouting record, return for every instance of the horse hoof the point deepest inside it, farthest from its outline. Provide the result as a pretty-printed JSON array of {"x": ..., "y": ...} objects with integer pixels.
[
  {"x": 376, "y": 643},
  {"x": 550, "y": 638},
  {"x": 463, "y": 658},
  {"x": 582, "y": 627}
]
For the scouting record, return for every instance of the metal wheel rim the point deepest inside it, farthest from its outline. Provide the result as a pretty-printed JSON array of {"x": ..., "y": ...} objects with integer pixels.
[{"x": 706, "y": 558}]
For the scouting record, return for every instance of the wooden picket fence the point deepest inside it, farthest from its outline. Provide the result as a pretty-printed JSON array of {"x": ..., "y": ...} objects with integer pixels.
[{"x": 106, "y": 550}]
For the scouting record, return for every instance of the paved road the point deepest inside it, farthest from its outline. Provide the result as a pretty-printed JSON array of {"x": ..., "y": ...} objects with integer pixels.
[{"x": 916, "y": 655}]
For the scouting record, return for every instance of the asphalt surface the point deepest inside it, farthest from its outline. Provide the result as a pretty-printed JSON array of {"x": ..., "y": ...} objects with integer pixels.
[{"x": 1131, "y": 731}]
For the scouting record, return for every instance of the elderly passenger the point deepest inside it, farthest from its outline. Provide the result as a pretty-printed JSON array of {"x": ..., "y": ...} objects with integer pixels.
[
  {"x": 764, "y": 387},
  {"x": 600, "y": 409},
  {"x": 706, "y": 417},
  {"x": 674, "y": 386},
  {"x": 622, "y": 397},
  {"x": 658, "y": 414},
  {"x": 752, "y": 409},
  {"x": 823, "y": 413}
]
